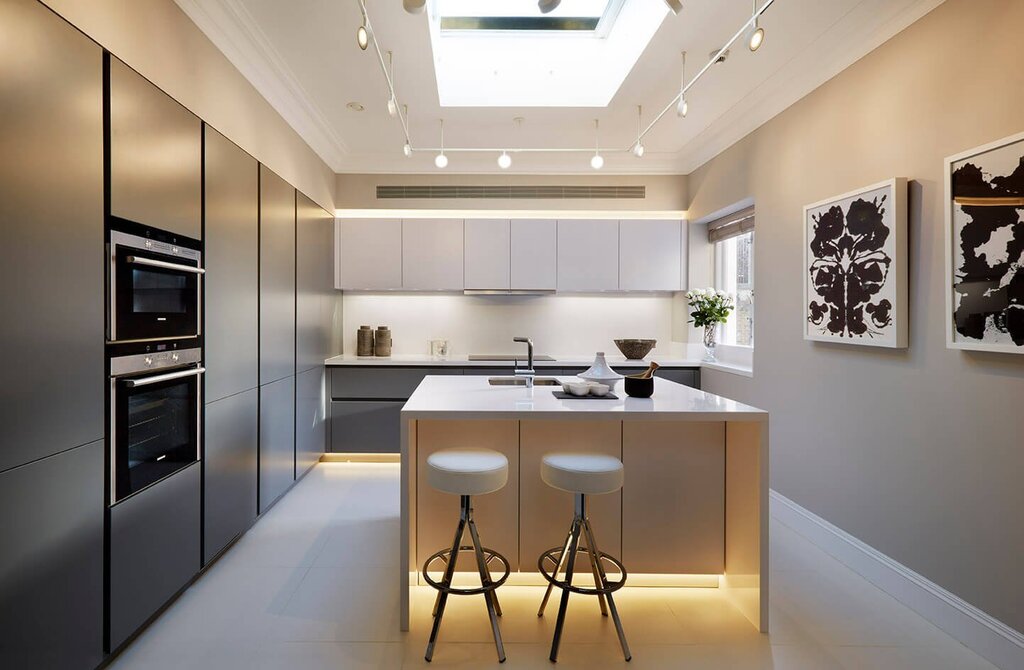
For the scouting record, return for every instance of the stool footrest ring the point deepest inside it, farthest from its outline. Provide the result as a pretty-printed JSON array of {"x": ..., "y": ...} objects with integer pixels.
[
  {"x": 489, "y": 555},
  {"x": 553, "y": 555}
]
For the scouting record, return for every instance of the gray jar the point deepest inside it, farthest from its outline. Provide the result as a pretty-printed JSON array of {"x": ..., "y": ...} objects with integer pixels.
[{"x": 382, "y": 341}]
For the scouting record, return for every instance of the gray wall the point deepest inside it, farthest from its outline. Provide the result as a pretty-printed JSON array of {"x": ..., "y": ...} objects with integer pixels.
[{"x": 918, "y": 453}]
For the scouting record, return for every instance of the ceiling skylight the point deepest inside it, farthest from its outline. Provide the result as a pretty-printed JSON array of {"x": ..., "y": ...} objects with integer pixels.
[{"x": 505, "y": 53}]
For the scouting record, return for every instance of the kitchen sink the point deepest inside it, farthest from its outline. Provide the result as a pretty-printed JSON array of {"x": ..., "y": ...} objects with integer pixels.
[{"x": 518, "y": 381}]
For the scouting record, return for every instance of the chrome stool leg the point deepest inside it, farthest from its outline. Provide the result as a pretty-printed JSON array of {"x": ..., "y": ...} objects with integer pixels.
[
  {"x": 592, "y": 544},
  {"x": 449, "y": 572},
  {"x": 564, "y": 604},
  {"x": 558, "y": 568},
  {"x": 485, "y": 580}
]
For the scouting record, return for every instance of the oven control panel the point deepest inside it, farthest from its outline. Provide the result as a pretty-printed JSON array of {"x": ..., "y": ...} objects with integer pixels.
[{"x": 123, "y": 365}]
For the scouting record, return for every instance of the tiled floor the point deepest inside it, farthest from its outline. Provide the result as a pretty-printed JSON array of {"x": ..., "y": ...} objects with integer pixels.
[{"x": 313, "y": 585}]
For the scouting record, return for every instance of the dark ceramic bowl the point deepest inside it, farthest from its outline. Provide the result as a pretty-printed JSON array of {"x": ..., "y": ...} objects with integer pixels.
[
  {"x": 635, "y": 349},
  {"x": 639, "y": 388}
]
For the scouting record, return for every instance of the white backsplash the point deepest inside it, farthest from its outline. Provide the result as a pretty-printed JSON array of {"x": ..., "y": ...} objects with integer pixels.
[{"x": 558, "y": 324}]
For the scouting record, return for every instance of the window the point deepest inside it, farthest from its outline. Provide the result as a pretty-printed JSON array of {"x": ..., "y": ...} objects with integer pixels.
[{"x": 734, "y": 274}]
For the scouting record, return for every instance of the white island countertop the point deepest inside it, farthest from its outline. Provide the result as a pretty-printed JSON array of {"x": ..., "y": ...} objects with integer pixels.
[{"x": 471, "y": 397}]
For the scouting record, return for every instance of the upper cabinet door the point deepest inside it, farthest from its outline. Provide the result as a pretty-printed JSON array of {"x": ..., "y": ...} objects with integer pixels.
[
  {"x": 588, "y": 255},
  {"x": 315, "y": 297},
  {"x": 534, "y": 254},
  {"x": 277, "y": 277},
  {"x": 432, "y": 254},
  {"x": 155, "y": 156},
  {"x": 51, "y": 236},
  {"x": 487, "y": 253},
  {"x": 649, "y": 255},
  {"x": 231, "y": 257},
  {"x": 371, "y": 254}
]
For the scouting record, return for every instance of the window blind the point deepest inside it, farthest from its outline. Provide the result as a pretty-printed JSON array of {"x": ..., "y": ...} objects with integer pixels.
[{"x": 733, "y": 225}]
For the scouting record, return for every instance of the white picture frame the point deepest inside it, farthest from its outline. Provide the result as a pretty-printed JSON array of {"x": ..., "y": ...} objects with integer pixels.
[
  {"x": 955, "y": 340},
  {"x": 896, "y": 333}
]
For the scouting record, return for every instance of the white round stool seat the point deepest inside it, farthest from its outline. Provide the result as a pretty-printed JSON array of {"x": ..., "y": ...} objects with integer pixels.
[
  {"x": 467, "y": 472},
  {"x": 589, "y": 474}
]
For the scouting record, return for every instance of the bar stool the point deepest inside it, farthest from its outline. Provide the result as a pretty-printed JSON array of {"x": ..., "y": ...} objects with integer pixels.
[
  {"x": 467, "y": 473},
  {"x": 582, "y": 475}
]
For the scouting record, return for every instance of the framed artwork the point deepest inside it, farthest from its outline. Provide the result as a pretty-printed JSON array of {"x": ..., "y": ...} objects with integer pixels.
[
  {"x": 855, "y": 267},
  {"x": 985, "y": 247}
]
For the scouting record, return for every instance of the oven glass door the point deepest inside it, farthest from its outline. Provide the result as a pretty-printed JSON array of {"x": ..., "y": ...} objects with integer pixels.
[
  {"x": 156, "y": 296},
  {"x": 156, "y": 431}
]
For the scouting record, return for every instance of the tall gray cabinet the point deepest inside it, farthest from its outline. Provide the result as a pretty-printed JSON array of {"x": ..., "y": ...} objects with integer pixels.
[
  {"x": 277, "y": 337},
  {"x": 232, "y": 341},
  {"x": 51, "y": 401}
]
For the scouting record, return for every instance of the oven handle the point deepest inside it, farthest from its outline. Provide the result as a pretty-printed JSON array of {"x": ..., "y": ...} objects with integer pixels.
[
  {"x": 145, "y": 381},
  {"x": 138, "y": 260}
]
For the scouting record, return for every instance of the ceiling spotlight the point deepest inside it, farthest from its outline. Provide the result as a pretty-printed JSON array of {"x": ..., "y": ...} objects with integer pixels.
[
  {"x": 756, "y": 31},
  {"x": 414, "y": 6},
  {"x": 392, "y": 103},
  {"x": 504, "y": 161},
  {"x": 441, "y": 160},
  {"x": 355, "y": 106},
  {"x": 638, "y": 148},
  {"x": 392, "y": 107},
  {"x": 548, "y": 6},
  {"x": 362, "y": 37},
  {"x": 682, "y": 108},
  {"x": 597, "y": 162},
  {"x": 407, "y": 150},
  {"x": 675, "y": 5}
]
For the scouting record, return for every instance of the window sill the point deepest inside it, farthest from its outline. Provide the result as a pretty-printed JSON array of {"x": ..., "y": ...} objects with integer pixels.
[
  {"x": 731, "y": 368},
  {"x": 734, "y": 359}
]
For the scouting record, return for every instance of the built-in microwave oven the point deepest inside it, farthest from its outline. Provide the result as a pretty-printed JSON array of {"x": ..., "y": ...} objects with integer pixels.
[
  {"x": 155, "y": 407},
  {"x": 155, "y": 286}
]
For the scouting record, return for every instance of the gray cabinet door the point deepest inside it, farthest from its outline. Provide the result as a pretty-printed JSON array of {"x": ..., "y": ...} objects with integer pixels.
[
  {"x": 51, "y": 235},
  {"x": 315, "y": 297},
  {"x": 231, "y": 258},
  {"x": 277, "y": 440},
  {"x": 310, "y": 419},
  {"x": 51, "y": 557},
  {"x": 155, "y": 155},
  {"x": 154, "y": 550},
  {"x": 230, "y": 469},
  {"x": 359, "y": 426},
  {"x": 277, "y": 277}
]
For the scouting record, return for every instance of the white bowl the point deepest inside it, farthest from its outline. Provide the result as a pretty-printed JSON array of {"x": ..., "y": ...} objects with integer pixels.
[
  {"x": 579, "y": 388},
  {"x": 599, "y": 390}
]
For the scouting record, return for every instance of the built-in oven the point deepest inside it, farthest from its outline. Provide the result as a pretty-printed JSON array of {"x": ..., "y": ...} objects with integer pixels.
[
  {"x": 155, "y": 286},
  {"x": 155, "y": 403}
]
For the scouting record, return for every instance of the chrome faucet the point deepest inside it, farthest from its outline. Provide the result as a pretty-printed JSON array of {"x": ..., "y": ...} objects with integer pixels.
[{"x": 528, "y": 373}]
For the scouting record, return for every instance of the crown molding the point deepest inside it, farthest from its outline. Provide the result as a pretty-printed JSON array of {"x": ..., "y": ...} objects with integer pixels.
[{"x": 232, "y": 29}]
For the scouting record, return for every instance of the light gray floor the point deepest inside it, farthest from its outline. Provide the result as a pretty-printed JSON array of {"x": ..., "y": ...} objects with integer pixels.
[{"x": 313, "y": 585}]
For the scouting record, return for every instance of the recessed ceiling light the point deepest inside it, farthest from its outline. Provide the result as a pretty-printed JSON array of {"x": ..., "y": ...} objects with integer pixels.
[{"x": 355, "y": 106}]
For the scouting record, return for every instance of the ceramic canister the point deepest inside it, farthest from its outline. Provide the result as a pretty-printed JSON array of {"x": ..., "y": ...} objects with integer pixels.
[
  {"x": 382, "y": 341},
  {"x": 364, "y": 341}
]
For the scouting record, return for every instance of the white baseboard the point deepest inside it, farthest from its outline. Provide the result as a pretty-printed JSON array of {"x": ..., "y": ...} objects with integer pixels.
[{"x": 988, "y": 637}]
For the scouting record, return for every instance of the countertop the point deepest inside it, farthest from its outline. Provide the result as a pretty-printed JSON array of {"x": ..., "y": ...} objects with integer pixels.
[
  {"x": 462, "y": 361},
  {"x": 471, "y": 397}
]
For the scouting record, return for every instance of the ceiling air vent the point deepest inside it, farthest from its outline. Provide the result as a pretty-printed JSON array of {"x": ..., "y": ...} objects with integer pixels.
[{"x": 511, "y": 192}]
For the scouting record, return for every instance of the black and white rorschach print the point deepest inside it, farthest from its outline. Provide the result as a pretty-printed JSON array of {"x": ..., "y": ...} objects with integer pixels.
[
  {"x": 855, "y": 267},
  {"x": 986, "y": 248}
]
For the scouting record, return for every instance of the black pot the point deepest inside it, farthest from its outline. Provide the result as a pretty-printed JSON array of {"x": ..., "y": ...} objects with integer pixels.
[{"x": 639, "y": 388}]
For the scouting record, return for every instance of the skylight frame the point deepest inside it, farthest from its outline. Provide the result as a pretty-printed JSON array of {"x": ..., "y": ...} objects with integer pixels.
[{"x": 530, "y": 24}]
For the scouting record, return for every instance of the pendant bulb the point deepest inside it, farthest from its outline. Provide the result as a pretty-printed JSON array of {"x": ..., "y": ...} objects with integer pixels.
[
  {"x": 407, "y": 150},
  {"x": 362, "y": 37},
  {"x": 441, "y": 160},
  {"x": 504, "y": 160},
  {"x": 597, "y": 162}
]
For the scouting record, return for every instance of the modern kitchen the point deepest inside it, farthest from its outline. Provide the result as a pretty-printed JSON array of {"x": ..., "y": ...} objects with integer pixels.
[{"x": 440, "y": 333}]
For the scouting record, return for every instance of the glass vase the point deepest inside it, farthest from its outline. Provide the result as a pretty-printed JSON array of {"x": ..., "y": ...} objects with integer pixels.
[{"x": 710, "y": 333}]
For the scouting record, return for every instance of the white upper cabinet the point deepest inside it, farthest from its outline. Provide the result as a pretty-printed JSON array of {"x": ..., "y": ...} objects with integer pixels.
[
  {"x": 371, "y": 254},
  {"x": 650, "y": 255},
  {"x": 432, "y": 254},
  {"x": 534, "y": 255},
  {"x": 487, "y": 254},
  {"x": 588, "y": 255}
]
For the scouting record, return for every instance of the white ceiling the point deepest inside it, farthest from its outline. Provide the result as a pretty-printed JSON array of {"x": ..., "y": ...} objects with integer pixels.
[{"x": 302, "y": 56}]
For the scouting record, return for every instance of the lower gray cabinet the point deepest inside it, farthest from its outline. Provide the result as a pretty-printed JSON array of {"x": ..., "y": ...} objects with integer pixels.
[
  {"x": 366, "y": 426},
  {"x": 154, "y": 550},
  {"x": 51, "y": 561},
  {"x": 277, "y": 440},
  {"x": 310, "y": 419},
  {"x": 230, "y": 469}
]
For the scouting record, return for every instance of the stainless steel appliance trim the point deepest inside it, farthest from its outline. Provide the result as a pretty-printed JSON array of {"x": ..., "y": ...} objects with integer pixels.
[
  {"x": 165, "y": 264},
  {"x": 126, "y": 365},
  {"x": 146, "y": 381},
  {"x": 146, "y": 244}
]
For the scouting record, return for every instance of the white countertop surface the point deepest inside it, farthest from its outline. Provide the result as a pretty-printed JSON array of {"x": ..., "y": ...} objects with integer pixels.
[{"x": 471, "y": 397}]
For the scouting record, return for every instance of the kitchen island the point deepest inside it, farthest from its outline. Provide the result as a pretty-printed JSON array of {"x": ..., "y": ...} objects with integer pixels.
[{"x": 693, "y": 510}]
